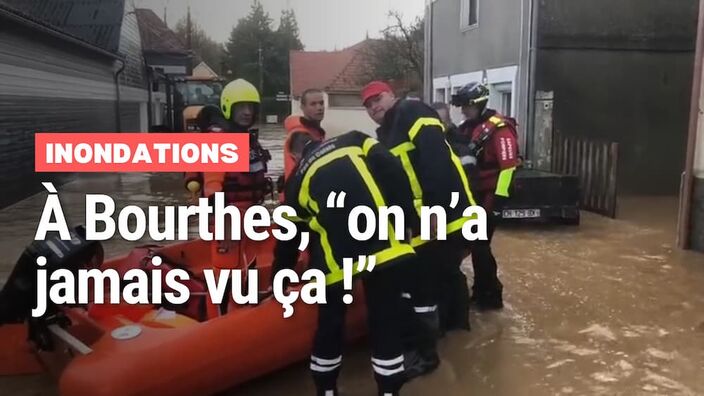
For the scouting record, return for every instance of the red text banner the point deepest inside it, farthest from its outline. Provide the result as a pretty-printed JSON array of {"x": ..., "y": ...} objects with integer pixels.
[{"x": 141, "y": 152}]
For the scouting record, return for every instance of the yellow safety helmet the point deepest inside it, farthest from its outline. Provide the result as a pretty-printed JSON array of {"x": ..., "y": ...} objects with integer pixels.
[{"x": 237, "y": 91}]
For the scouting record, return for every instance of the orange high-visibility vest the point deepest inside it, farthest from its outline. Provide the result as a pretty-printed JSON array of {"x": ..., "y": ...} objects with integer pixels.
[{"x": 293, "y": 124}]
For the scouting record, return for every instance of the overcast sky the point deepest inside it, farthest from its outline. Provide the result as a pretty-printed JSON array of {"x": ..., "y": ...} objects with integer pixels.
[{"x": 324, "y": 24}]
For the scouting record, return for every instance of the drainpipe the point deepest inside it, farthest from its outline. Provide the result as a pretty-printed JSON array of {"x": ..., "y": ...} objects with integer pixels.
[
  {"x": 532, "y": 49},
  {"x": 150, "y": 115},
  {"x": 685, "y": 216},
  {"x": 118, "y": 122},
  {"x": 428, "y": 56}
]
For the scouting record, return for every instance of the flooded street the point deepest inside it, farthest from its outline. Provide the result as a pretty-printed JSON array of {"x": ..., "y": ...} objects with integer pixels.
[{"x": 607, "y": 308}]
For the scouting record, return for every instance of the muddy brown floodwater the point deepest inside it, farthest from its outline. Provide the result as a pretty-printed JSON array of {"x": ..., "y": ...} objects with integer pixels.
[{"x": 611, "y": 307}]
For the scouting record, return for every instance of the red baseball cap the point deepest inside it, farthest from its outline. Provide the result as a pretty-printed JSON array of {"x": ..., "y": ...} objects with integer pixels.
[{"x": 373, "y": 89}]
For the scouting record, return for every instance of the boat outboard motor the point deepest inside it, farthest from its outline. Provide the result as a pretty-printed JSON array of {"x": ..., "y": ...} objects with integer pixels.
[{"x": 19, "y": 295}]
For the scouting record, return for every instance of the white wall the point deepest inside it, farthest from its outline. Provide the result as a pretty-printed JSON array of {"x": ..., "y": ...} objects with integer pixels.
[
  {"x": 342, "y": 119},
  {"x": 339, "y": 121},
  {"x": 158, "y": 101},
  {"x": 494, "y": 78},
  {"x": 699, "y": 145}
]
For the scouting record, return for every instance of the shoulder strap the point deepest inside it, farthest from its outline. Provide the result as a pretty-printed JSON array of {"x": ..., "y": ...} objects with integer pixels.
[
  {"x": 492, "y": 125},
  {"x": 488, "y": 129},
  {"x": 505, "y": 122}
]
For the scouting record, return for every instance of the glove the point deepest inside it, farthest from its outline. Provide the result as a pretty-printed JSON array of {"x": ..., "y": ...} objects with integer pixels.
[
  {"x": 193, "y": 186},
  {"x": 468, "y": 161}
]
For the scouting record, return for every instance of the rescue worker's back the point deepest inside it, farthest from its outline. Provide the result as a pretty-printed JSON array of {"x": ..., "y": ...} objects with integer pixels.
[
  {"x": 433, "y": 170},
  {"x": 368, "y": 175},
  {"x": 412, "y": 131},
  {"x": 359, "y": 167}
]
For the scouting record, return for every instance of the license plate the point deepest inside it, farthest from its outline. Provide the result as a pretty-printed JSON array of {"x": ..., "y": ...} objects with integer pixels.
[{"x": 521, "y": 213}]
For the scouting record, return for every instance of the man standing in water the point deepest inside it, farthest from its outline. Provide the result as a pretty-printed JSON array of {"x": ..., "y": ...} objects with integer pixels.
[{"x": 411, "y": 130}]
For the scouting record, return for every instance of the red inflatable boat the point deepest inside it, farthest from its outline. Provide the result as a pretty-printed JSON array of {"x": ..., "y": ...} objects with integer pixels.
[{"x": 197, "y": 348}]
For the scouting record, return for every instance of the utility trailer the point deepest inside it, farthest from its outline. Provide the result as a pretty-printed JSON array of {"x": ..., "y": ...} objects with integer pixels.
[{"x": 540, "y": 196}]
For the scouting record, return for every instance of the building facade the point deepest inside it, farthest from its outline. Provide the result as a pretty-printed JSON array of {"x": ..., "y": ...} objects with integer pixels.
[
  {"x": 691, "y": 213},
  {"x": 65, "y": 66},
  {"x": 339, "y": 74},
  {"x": 165, "y": 58},
  {"x": 615, "y": 71},
  {"x": 475, "y": 40},
  {"x": 624, "y": 75}
]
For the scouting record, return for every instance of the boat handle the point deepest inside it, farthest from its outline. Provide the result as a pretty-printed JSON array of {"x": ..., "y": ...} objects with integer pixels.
[{"x": 70, "y": 340}]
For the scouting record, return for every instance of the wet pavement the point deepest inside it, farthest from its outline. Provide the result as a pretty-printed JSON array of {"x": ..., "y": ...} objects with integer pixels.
[{"x": 611, "y": 307}]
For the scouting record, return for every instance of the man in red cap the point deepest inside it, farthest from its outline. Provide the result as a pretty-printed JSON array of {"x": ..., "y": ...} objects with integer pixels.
[{"x": 412, "y": 131}]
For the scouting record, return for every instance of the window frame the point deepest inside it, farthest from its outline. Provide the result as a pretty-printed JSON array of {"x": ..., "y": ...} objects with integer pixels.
[
  {"x": 464, "y": 15},
  {"x": 437, "y": 93},
  {"x": 507, "y": 102},
  {"x": 501, "y": 89}
]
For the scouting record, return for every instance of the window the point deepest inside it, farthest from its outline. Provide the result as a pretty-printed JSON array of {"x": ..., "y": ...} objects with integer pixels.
[
  {"x": 440, "y": 95},
  {"x": 469, "y": 14},
  {"x": 506, "y": 99},
  {"x": 194, "y": 92},
  {"x": 473, "y": 18},
  {"x": 344, "y": 100}
]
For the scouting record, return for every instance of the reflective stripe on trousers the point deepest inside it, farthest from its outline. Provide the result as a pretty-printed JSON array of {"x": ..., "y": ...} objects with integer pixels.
[
  {"x": 428, "y": 309},
  {"x": 321, "y": 365},
  {"x": 388, "y": 367}
]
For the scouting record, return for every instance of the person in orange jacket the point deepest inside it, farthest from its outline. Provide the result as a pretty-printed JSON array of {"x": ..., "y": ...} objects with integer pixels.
[
  {"x": 300, "y": 130},
  {"x": 239, "y": 107}
]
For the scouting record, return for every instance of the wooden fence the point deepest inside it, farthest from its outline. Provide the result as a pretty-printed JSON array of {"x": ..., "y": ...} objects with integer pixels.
[{"x": 596, "y": 164}]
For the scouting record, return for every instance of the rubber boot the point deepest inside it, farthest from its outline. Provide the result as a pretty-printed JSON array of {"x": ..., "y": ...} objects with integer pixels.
[
  {"x": 454, "y": 309},
  {"x": 326, "y": 392},
  {"x": 488, "y": 298},
  {"x": 424, "y": 360},
  {"x": 419, "y": 363},
  {"x": 391, "y": 387}
]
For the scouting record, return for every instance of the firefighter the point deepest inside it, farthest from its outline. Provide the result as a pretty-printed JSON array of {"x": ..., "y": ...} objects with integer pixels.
[
  {"x": 300, "y": 130},
  {"x": 239, "y": 108},
  {"x": 488, "y": 143},
  {"x": 369, "y": 175},
  {"x": 454, "y": 291},
  {"x": 412, "y": 131}
]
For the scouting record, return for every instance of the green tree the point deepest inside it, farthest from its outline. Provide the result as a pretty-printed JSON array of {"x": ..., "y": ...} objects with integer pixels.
[
  {"x": 286, "y": 39},
  {"x": 254, "y": 34},
  {"x": 398, "y": 55},
  {"x": 288, "y": 31},
  {"x": 206, "y": 49},
  {"x": 251, "y": 35}
]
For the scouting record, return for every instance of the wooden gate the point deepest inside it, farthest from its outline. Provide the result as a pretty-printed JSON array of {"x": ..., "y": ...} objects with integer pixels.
[{"x": 596, "y": 164}]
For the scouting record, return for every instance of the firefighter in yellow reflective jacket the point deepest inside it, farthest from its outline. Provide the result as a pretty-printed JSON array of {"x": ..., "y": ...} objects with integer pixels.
[
  {"x": 368, "y": 175},
  {"x": 414, "y": 133}
]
